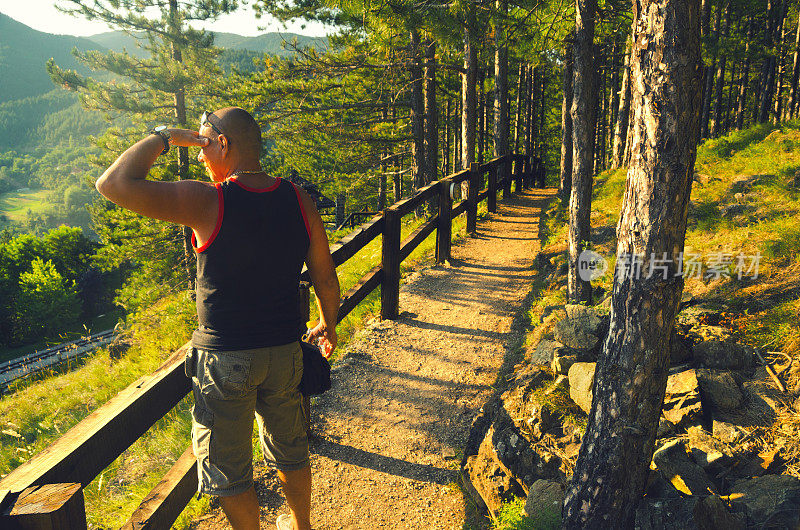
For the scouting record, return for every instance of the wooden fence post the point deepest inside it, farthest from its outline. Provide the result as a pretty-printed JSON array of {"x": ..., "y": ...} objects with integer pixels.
[
  {"x": 491, "y": 199},
  {"x": 390, "y": 262},
  {"x": 305, "y": 312},
  {"x": 443, "y": 231},
  {"x": 47, "y": 507},
  {"x": 472, "y": 198}
]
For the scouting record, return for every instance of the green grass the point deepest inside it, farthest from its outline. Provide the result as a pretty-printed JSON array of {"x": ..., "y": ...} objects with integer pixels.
[
  {"x": 767, "y": 226},
  {"x": 15, "y": 204},
  {"x": 511, "y": 517}
]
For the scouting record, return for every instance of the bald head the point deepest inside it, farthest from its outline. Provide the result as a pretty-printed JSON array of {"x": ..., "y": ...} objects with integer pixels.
[{"x": 242, "y": 129}]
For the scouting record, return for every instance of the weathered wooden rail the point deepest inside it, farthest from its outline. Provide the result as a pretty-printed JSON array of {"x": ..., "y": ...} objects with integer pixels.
[{"x": 47, "y": 491}]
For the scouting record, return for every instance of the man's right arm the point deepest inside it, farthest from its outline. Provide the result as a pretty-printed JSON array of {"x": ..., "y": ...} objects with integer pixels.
[{"x": 323, "y": 276}]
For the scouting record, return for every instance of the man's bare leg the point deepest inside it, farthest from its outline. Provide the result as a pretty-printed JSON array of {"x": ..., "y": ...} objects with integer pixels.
[
  {"x": 297, "y": 489},
  {"x": 241, "y": 510}
]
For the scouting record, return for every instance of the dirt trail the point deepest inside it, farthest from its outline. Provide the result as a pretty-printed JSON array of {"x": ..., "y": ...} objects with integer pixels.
[{"x": 389, "y": 434}]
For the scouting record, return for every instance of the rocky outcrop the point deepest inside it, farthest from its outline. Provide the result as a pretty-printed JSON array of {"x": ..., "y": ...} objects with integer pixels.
[
  {"x": 723, "y": 354},
  {"x": 582, "y": 328},
  {"x": 682, "y": 404},
  {"x": 771, "y": 501},
  {"x": 719, "y": 389}
]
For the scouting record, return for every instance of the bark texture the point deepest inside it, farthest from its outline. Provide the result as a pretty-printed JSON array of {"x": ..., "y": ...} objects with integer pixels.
[
  {"x": 621, "y": 125},
  {"x": 431, "y": 115},
  {"x": 584, "y": 118},
  {"x": 417, "y": 114},
  {"x": 795, "y": 72},
  {"x": 469, "y": 100},
  {"x": 501, "y": 118},
  {"x": 566, "y": 125},
  {"x": 613, "y": 463}
]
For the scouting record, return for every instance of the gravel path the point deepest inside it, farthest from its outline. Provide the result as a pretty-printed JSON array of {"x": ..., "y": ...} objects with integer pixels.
[{"x": 388, "y": 436}]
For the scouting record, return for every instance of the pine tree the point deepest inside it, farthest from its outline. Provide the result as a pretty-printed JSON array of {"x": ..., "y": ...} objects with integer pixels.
[{"x": 170, "y": 84}]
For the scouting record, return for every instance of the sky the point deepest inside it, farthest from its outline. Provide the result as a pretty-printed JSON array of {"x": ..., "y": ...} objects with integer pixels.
[{"x": 43, "y": 16}]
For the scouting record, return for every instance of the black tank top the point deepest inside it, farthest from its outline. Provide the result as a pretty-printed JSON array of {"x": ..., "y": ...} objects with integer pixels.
[{"x": 248, "y": 272}]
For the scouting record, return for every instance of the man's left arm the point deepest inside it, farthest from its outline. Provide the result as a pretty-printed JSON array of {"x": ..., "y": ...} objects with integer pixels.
[{"x": 124, "y": 183}]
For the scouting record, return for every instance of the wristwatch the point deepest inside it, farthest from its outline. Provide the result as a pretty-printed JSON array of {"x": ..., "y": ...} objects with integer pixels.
[{"x": 162, "y": 131}]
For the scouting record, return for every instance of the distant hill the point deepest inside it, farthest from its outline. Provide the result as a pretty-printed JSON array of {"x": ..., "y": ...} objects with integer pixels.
[
  {"x": 271, "y": 43},
  {"x": 23, "y": 54}
]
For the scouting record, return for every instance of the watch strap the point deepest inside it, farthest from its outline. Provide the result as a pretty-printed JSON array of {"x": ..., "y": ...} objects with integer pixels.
[{"x": 161, "y": 132}]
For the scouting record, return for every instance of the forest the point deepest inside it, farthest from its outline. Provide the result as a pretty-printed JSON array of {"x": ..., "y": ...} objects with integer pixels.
[{"x": 406, "y": 93}]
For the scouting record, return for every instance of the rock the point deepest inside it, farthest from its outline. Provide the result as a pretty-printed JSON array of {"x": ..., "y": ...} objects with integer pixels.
[
  {"x": 732, "y": 210},
  {"x": 702, "y": 179},
  {"x": 581, "y": 383},
  {"x": 561, "y": 365},
  {"x": 744, "y": 182},
  {"x": 545, "y": 351},
  {"x": 706, "y": 450},
  {"x": 544, "y": 500},
  {"x": 719, "y": 389},
  {"x": 686, "y": 476},
  {"x": 682, "y": 403},
  {"x": 719, "y": 354},
  {"x": 711, "y": 513},
  {"x": 491, "y": 482},
  {"x": 518, "y": 457},
  {"x": 680, "y": 348},
  {"x": 582, "y": 328},
  {"x": 670, "y": 513},
  {"x": 726, "y": 432},
  {"x": 771, "y": 501},
  {"x": 665, "y": 428}
]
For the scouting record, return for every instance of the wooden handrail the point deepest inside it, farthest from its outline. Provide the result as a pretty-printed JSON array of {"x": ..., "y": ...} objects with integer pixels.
[{"x": 88, "y": 448}]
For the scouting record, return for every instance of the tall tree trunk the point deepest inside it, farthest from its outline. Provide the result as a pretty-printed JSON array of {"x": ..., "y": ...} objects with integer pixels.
[
  {"x": 613, "y": 463},
  {"x": 446, "y": 143},
  {"x": 709, "y": 77},
  {"x": 566, "y": 122},
  {"x": 529, "y": 104},
  {"x": 731, "y": 105},
  {"x": 621, "y": 125},
  {"x": 481, "y": 115},
  {"x": 469, "y": 97},
  {"x": 418, "y": 170},
  {"x": 457, "y": 137},
  {"x": 780, "y": 56},
  {"x": 795, "y": 72},
  {"x": 716, "y": 124},
  {"x": 382, "y": 184},
  {"x": 745, "y": 78},
  {"x": 602, "y": 84},
  {"x": 768, "y": 68},
  {"x": 540, "y": 146},
  {"x": 431, "y": 114},
  {"x": 613, "y": 102},
  {"x": 519, "y": 111},
  {"x": 179, "y": 100},
  {"x": 501, "y": 115},
  {"x": 584, "y": 117}
]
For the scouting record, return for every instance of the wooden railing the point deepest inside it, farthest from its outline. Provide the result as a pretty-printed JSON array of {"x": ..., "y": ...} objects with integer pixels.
[{"x": 47, "y": 491}]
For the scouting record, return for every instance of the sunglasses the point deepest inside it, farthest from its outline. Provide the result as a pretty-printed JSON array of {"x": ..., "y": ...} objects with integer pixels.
[{"x": 205, "y": 121}]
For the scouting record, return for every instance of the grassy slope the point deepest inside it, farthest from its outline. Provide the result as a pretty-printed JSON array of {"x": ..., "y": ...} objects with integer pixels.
[
  {"x": 40, "y": 411},
  {"x": 15, "y": 204},
  {"x": 764, "y": 310}
]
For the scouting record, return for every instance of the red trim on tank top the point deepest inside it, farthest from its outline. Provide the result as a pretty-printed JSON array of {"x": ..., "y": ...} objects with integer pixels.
[
  {"x": 257, "y": 190},
  {"x": 302, "y": 208},
  {"x": 220, "y": 212}
]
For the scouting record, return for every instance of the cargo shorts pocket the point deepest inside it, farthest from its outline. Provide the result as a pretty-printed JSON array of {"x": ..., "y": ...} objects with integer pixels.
[
  {"x": 189, "y": 361},
  {"x": 225, "y": 376}
]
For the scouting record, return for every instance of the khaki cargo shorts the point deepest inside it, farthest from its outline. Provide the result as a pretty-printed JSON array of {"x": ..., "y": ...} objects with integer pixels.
[{"x": 229, "y": 387}]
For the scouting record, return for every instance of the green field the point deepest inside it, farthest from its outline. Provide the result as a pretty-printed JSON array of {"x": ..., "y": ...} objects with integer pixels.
[{"x": 15, "y": 204}]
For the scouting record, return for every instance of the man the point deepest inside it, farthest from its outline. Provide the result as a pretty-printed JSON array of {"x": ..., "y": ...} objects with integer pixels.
[{"x": 251, "y": 233}]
